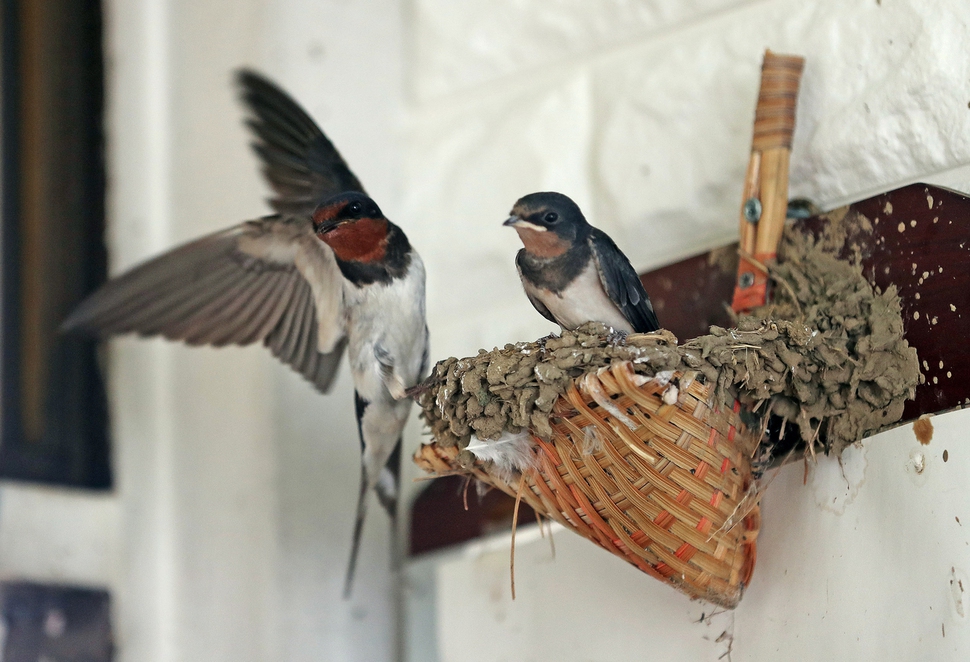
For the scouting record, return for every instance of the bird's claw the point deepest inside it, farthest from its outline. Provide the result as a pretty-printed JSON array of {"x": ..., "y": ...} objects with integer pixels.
[
  {"x": 615, "y": 337},
  {"x": 417, "y": 390}
]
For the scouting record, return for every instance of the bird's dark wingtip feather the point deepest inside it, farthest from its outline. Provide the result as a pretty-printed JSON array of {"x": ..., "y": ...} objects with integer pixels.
[
  {"x": 291, "y": 144},
  {"x": 70, "y": 325},
  {"x": 80, "y": 321},
  {"x": 247, "y": 78}
]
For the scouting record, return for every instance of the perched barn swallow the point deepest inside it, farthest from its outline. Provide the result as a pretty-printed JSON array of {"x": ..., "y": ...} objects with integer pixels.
[
  {"x": 572, "y": 272},
  {"x": 327, "y": 273}
]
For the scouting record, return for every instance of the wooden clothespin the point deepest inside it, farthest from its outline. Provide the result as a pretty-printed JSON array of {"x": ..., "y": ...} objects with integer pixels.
[{"x": 765, "y": 200}]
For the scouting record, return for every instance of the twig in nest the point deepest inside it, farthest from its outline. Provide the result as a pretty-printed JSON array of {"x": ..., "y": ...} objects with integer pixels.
[
  {"x": 764, "y": 425},
  {"x": 515, "y": 523},
  {"x": 811, "y": 442},
  {"x": 791, "y": 292}
]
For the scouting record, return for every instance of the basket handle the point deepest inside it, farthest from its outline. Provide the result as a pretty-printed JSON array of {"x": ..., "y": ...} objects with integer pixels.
[{"x": 765, "y": 195}]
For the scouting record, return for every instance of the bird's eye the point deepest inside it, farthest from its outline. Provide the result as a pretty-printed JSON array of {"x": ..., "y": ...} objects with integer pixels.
[
  {"x": 551, "y": 217},
  {"x": 354, "y": 208}
]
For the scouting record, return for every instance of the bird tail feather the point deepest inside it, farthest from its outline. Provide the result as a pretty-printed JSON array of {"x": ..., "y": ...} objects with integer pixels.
[
  {"x": 388, "y": 488},
  {"x": 358, "y": 530}
]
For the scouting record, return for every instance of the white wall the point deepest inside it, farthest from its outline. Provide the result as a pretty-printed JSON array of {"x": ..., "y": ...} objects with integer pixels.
[{"x": 227, "y": 535}]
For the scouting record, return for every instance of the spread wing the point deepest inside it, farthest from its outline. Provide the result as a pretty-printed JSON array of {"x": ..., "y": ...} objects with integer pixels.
[
  {"x": 622, "y": 283},
  {"x": 299, "y": 161},
  {"x": 268, "y": 280},
  {"x": 538, "y": 305}
]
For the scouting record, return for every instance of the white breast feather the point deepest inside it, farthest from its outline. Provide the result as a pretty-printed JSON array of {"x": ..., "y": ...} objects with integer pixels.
[
  {"x": 584, "y": 300},
  {"x": 393, "y": 317}
]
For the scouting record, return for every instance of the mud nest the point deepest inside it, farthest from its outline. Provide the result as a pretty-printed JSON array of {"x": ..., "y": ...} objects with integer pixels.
[{"x": 828, "y": 355}]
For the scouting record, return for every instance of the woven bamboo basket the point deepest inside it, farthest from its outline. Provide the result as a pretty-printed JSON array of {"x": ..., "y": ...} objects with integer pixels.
[{"x": 669, "y": 488}]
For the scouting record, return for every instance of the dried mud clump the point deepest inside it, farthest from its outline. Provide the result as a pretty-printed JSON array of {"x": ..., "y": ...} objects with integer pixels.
[
  {"x": 515, "y": 387},
  {"x": 856, "y": 371},
  {"x": 828, "y": 355}
]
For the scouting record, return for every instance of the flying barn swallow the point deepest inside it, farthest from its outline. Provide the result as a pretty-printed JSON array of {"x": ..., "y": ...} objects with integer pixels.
[
  {"x": 572, "y": 272},
  {"x": 328, "y": 273}
]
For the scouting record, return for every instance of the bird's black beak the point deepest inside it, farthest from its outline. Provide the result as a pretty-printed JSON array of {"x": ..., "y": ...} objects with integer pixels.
[
  {"x": 519, "y": 222},
  {"x": 327, "y": 226}
]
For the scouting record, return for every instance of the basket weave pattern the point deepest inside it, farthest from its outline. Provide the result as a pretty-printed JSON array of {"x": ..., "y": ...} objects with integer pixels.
[{"x": 664, "y": 486}]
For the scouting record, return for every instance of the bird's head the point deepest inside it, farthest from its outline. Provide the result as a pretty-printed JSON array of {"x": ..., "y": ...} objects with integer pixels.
[
  {"x": 353, "y": 226},
  {"x": 549, "y": 224}
]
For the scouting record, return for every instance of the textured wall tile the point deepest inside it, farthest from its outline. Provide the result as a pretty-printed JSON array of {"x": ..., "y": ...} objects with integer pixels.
[
  {"x": 667, "y": 134},
  {"x": 462, "y": 44},
  {"x": 883, "y": 101}
]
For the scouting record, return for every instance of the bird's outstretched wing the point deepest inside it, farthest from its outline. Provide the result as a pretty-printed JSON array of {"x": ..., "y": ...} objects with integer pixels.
[
  {"x": 622, "y": 283},
  {"x": 299, "y": 161},
  {"x": 268, "y": 280}
]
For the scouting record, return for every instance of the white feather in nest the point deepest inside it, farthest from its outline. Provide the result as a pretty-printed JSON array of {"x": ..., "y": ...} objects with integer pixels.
[
  {"x": 591, "y": 440},
  {"x": 662, "y": 378},
  {"x": 509, "y": 453}
]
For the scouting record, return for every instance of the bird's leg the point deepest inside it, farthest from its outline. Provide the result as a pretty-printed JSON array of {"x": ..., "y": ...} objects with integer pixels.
[
  {"x": 615, "y": 337},
  {"x": 417, "y": 390}
]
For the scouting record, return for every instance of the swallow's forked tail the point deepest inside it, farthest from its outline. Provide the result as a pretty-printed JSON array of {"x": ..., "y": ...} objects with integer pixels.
[{"x": 358, "y": 530}]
